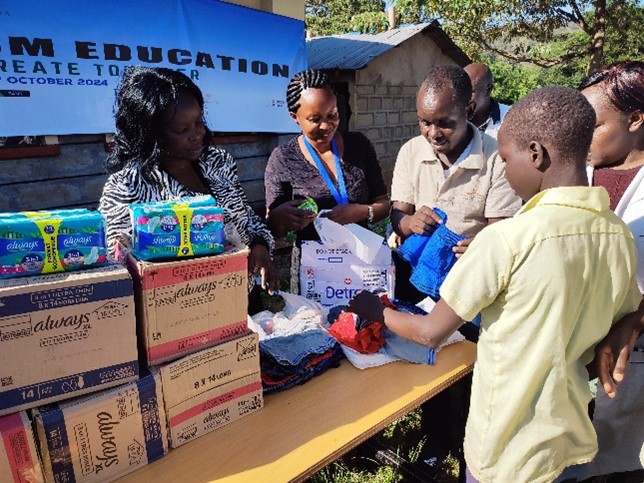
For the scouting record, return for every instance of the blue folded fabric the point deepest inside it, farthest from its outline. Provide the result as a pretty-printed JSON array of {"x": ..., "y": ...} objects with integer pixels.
[
  {"x": 431, "y": 257},
  {"x": 292, "y": 349}
]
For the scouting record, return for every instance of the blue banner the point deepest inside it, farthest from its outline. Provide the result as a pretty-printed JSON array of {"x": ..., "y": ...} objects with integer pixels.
[{"x": 60, "y": 62}]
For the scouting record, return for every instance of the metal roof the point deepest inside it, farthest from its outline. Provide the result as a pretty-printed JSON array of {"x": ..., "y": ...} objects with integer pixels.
[{"x": 354, "y": 51}]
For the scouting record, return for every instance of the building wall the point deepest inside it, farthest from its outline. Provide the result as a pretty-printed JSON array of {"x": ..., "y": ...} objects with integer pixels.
[
  {"x": 76, "y": 176},
  {"x": 288, "y": 8},
  {"x": 383, "y": 103}
]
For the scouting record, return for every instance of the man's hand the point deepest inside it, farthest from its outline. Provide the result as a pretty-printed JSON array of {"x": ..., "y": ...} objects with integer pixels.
[
  {"x": 460, "y": 248},
  {"x": 367, "y": 306},
  {"x": 612, "y": 353},
  {"x": 423, "y": 220}
]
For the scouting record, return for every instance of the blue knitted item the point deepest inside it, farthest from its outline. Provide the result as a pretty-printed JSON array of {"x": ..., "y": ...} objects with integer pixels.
[
  {"x": 431, "y": 257},
  {"x": 412, "y": 249}
]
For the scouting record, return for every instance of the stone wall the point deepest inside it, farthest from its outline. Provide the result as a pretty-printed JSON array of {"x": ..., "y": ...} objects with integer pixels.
[
  {"x": 75, "y": 177},
  {"x": 383, "y": 100}
]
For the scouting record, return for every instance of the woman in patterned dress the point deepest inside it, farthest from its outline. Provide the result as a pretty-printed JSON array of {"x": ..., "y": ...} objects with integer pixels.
[{"x": 162, "y": 152}]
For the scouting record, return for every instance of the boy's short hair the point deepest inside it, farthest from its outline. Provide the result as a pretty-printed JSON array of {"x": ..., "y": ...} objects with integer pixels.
[
  {"x": 555, "y": 116},
  {"x": 443, "y": 76}
]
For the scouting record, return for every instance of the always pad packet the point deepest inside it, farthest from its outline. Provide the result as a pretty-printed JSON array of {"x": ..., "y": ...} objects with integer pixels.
[
  {"x": 39, "y": 242},
  {"x": 179, "y": 228}
]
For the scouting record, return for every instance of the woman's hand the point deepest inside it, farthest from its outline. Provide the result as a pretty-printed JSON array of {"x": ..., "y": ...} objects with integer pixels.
[
  {"x": 288, "y": 216},
  {"x": 260, "y": 260},
  {"x": 350, "y": 213}
]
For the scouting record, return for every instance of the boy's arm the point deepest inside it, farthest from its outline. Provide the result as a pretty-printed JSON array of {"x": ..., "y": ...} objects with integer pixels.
[
  {"x": 430, "y": 330},
  {"x": 612, "y": 353}
]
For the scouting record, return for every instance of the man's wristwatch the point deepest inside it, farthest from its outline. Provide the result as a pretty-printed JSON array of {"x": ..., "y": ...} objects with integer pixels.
[{"x": 370, "y": 214}]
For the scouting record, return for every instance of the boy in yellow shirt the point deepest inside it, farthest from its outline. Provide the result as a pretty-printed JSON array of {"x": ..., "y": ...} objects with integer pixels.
[{"x": 549, "y": 283}]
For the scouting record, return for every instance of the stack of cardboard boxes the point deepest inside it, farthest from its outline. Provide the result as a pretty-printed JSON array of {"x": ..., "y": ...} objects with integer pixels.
[{"x": 68, "y": 334}]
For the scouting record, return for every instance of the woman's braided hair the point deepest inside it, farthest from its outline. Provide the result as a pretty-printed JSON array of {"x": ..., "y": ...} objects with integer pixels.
[{"x": 302, "y": 81}]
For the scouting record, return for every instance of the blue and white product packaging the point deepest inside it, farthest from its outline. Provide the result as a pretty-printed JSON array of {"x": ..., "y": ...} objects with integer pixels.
[
  {"x": 103, "y": 436},
  {"x": 180, "y": 228},
  {"x": 38, "y": 242},
  {"x": 65, "y": 334},
  {"x": 348, "y": 259}
]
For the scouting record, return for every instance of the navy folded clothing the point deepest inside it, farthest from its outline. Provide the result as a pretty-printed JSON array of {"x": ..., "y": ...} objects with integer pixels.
[{"x": 294, "y": 359}]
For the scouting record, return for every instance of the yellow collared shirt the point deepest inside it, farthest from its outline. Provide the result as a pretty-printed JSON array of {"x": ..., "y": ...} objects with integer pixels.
[{"x": 549, "y": 283}]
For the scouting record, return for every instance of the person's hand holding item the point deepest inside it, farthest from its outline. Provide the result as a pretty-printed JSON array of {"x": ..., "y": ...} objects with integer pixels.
[
  {"x": 367, "y": 306},
  {"x": 612, "y": 353},
  {"x": 349, "y": 213},
  {"x": 259, "y": 259},
  {"x": 288, "y": 216},
  {"x": 423, "y": 220},
  {"x": 461, "y": 246}
]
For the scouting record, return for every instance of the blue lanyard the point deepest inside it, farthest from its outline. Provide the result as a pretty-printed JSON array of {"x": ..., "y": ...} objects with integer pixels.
[{"x": 340, "y": 194}]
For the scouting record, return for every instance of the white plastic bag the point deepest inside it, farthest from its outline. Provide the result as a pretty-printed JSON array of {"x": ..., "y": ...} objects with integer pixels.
[{"x": 364, "y": 243}]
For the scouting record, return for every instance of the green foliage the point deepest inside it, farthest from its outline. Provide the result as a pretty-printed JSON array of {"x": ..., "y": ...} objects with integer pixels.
[
  {"x": 545, "y": 34},
  {"x": 339, "y": 472},
  {"x": 625, "y": 33},
  {"x": 328, "y": 17},
  {"x": 370, "y": 22}
]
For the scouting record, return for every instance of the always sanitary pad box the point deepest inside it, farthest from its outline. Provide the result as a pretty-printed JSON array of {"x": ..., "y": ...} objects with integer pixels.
[
  {"x": 215, "y": 408},
  {"x": 194, "y": 404},
  {"x": 332, "y": 276},
  {"x": 187, "y": 305},
  {"x": 65, "y": 334},
  {"x": 103, "y": 436},
  {"x": 18, "y": 458}
]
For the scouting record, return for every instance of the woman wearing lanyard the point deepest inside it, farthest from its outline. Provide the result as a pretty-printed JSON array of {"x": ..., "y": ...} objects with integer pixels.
[{"x": 340, "y": 171}]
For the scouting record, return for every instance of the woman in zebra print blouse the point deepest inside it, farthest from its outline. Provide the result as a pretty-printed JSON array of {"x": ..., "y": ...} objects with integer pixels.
[{"x": 162, "y": 152}]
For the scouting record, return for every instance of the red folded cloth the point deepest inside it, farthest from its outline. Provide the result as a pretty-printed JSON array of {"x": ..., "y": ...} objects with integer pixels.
[{"x": 366, "y": 341}]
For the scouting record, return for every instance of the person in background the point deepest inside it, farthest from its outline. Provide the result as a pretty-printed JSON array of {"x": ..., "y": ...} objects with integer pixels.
[
  {"x": 454, "y": 167},
  {"x": 488, "y": 113},
  {"x": 162, "y": 152},
  {"x": 616, "y": 162},
  {"x": 339, "y": 171},
  {"x": 549, "y": 283},
  {"x": 450, "y": 165}
]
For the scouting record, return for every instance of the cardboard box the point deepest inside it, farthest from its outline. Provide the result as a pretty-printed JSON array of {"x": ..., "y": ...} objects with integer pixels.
[
  {"x": 103, "y": 436},
  {"x": 186, "y": 379},
  {"x": 332, "y": 276},
  {"x": 186, "y": 305},
  {"x": 65, "y": 334},
  {"x": 18, "y": 458},
  {"x": 197, "y": 373},
  {"x": 215, "y": 408}
]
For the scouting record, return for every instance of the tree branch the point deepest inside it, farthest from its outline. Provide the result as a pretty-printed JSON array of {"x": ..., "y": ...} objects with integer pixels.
[
  {"x": 540, "y": 62},
  {"x": 581, "y": 20}
]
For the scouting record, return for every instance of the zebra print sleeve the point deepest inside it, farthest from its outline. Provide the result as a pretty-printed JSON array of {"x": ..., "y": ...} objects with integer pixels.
[
  {"x": 113, "y": 205},
  {"x": 220, "y": 172}
]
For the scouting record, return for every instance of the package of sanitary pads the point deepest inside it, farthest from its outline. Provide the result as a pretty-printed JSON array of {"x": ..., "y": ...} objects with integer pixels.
[
  {"x": 179, "y": 228},
  {"x": 39, "y": 242}
]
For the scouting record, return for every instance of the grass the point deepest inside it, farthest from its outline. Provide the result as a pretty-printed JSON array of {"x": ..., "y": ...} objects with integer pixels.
[{"x": 403, "y": 442}]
